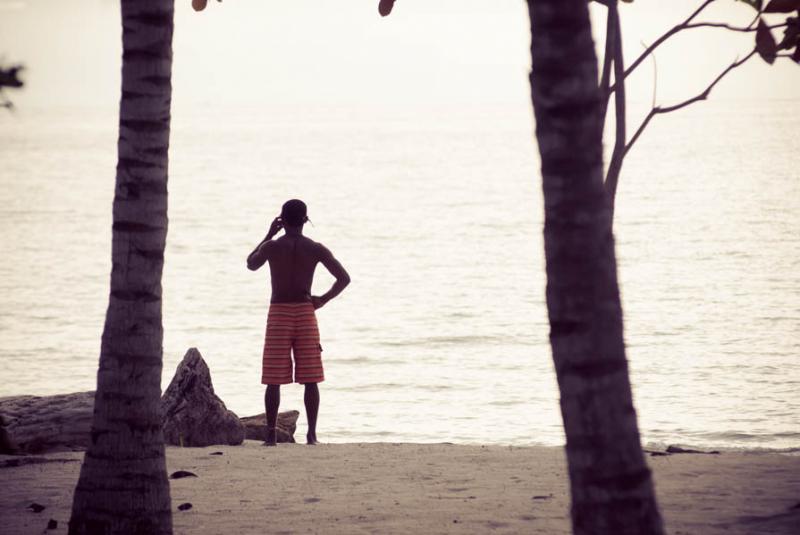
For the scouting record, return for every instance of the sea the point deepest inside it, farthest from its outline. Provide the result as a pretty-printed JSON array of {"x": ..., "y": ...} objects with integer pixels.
[{"x": 437, "y": 215}]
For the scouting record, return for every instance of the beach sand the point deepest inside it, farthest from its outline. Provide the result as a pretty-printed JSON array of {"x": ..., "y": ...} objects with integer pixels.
[{"x": 415, "y": 488}]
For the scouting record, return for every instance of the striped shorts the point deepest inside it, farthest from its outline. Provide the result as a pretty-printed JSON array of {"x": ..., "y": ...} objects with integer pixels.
[{"x": 291, "y": 328}]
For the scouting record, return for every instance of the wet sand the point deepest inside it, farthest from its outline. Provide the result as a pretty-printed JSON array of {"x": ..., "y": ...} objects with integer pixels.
[{"x": 415, "y": 488}]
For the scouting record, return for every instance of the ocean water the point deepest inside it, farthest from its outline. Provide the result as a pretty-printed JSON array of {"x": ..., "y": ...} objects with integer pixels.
[{"x": 437, "y": 215}]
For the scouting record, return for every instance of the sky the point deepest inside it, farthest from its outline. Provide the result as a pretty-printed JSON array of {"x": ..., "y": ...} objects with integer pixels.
[{"x": 322, "y": 52}]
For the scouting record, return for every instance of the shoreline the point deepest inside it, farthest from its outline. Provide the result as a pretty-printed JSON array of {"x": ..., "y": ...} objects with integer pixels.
[
  {"x": 650, "y": 447},
  {"x": 425, "y": 488},
  {"x": 786, "y": 445}
]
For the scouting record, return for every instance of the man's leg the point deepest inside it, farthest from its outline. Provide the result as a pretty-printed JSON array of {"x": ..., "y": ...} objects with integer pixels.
[
  {"x": 311, "y": 399},
  {"x": 272, "y": 400}
]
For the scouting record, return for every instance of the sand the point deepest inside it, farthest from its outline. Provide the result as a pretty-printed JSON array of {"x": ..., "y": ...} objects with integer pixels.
[{"x": 416, "y": 488}]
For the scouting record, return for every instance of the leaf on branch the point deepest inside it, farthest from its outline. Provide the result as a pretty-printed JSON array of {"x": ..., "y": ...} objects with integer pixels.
[
  {"x": 9, "y": 77},
  {"x": 765, "y": 43},
  {"x": 782, "y": 6},
  {"x": 791, "y": 34},
  {"x": 755, "y": 4},
  {"x": 385, "y": 7}
]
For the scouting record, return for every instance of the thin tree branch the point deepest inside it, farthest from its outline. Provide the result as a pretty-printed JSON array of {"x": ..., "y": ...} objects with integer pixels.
[
  {"x": 729, "y": 27},
  {"x": 615, "y": 166},
  {"x": 702, "y": 96},
  {"x": 755, "y": 19},
  {"x": 608, "y": 58},
  {"x": 619, "y": 70},
  {"x": 667, "y": 35},
  {"x": 687, "y": 25},
  {"x": 655, "y": 78}
]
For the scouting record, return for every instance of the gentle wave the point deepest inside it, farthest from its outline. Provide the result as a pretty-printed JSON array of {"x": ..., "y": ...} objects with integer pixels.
[
  {"x": 462, "y": 340},
  {"x": 702, "y": 446}
]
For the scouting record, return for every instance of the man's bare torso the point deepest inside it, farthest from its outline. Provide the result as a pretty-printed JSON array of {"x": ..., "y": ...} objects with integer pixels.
[{"x": 292, "y": 261}]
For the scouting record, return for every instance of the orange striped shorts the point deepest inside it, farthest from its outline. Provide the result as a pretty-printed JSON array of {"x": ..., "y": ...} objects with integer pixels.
[{"x": 291, "y": 329}]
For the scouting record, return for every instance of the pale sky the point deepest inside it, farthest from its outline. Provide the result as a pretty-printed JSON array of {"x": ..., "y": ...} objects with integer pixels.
[{"x": 427, "y": 53}]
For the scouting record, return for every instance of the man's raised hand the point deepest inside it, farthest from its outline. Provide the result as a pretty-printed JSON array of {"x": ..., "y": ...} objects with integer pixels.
[{"x": 275, "y": 227}]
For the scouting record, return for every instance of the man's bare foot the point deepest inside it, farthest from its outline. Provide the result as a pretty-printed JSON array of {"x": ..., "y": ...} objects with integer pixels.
[
  {"x": 272, "y": 437},
  {"x": 311, "y": 439}
]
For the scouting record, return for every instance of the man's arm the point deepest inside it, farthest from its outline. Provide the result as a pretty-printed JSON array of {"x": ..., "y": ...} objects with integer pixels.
[
  {"x": 260, "y": 254},
  {"x": 337, "y": 270}
]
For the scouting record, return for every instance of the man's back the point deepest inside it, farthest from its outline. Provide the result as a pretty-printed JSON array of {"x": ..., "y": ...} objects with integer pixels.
[{"x": 292, "y": 261}]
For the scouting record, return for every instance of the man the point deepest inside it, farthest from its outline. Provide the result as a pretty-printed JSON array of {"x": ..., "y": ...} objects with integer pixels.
[{"x": 291, "y": 322}]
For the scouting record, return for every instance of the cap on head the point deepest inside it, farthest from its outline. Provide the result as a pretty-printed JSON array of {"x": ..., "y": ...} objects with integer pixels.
[{"x": 293, "y": 213}]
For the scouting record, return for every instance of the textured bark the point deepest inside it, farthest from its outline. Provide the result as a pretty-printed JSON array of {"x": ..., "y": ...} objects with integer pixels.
[
  {"x": 192, "y": 413},
  {"x": 611, "y": 486},
  {"x": 123, "y": 486}
]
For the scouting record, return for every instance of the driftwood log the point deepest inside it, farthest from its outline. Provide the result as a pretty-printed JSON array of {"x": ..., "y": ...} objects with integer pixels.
[
  {"x": 255, "y": 427},
  {"x": 33, "y": 424},
  {"x": 194, "y": 414}
]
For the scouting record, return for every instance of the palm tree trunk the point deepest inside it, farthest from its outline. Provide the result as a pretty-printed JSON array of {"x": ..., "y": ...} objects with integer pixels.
[
  {"x": 123, "y": 486},
  {"x": 611, "y": 486}
]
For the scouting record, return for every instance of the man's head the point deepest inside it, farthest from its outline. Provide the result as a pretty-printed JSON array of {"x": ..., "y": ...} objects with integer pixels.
[{"x": 293, "y": 213}]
